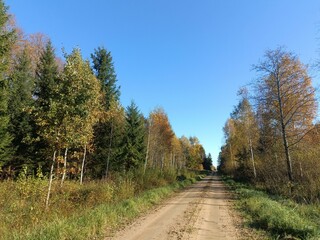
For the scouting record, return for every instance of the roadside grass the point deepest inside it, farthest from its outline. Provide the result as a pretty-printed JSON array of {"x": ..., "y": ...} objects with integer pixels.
[
  {"x": 91, "y": 211},
  {"x": 281, "y": 218}
]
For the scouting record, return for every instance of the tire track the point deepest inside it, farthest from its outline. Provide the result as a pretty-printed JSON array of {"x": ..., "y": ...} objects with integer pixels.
[{"x": 191, "y": 214}]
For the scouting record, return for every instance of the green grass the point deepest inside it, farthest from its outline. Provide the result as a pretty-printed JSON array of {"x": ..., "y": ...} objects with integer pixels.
[
  {"x": 91, "y": 211},
  {"x": 280, "y": 217}
]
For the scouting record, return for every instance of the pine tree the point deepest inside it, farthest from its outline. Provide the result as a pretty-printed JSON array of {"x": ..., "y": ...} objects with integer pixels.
[
  {"x": 19, "y": 108},
  {"x": 7, "y": 37},
  {"x": 133, "y": 146}
]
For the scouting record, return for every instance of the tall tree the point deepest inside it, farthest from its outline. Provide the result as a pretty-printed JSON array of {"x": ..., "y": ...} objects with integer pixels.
[
  {"x": 105, "y": 72},
  {"x": 47, "y": 105},
  {"x": 246, "y": 134},
  {"x": 80, "y": 103},
  {"x": 20, "y": 104},
  {"x": 7, "y": 38},
  {"x": 160, "y": 139},
  {"x": 197, "y": 154},
  {"x": 46, "y": 77},
  {"x": 285, "y": 92},
  {"x": 107, "y": 132},
  {"x": 207, "y": 163},
  {"x": 46, "y": 101},
  {"x": 133, "y": 146}
]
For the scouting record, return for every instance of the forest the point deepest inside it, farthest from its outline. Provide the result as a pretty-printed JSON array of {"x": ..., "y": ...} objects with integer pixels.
[
  {"x": 272, "y": 135},
  {"x": 67, "y": 143},
  {"x": 64, "y": 116}
]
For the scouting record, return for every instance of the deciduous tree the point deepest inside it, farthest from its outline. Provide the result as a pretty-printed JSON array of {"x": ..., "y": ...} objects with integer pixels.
[{"x": 285, "y": 92}]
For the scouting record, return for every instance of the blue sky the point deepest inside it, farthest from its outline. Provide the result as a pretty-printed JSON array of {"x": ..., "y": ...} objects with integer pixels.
[{"x": 189, "y": 57}]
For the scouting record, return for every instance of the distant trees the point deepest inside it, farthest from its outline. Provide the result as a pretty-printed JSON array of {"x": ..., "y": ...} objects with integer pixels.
[
  {"x": 160, "y": 139},
  {"x": 207, "y": 163},
  {"x": 274, "y": 133}
]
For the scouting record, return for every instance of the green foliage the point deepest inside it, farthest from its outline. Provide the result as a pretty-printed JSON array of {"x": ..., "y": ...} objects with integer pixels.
[
  {"x": 21, "y": 126},
  {"x": 47, "y": 99},
  {"x": 108, "y": 134},
  {"x": 207, "y": 162},
  {"x": 105, "y": 73},
  {"x": 46, "y": 79},
  {"x": 133, "y": 145},
  {"x": 278, "y": 216},
  {"x": 7, "y": 38},
  {"x": 83, "y": 212}
]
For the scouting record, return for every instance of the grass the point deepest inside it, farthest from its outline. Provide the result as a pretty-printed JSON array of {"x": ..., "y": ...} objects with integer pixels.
[
  {"x": 281, "y": 218},
  {"x": 91, "y": 211}
]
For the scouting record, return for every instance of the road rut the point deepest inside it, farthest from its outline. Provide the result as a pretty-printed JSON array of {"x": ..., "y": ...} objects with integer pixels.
[{"x": 200, "y": 212}]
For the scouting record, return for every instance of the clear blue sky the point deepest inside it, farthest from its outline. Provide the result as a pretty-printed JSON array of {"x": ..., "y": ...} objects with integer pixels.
[{"x": 188, "y": 56}]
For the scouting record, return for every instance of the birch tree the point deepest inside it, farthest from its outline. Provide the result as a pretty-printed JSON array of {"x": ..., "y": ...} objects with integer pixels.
[{"x": 284, "y": 90}]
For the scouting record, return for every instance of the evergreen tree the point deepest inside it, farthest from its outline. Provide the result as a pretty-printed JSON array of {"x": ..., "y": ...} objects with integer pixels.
[
  {"x": 21, "y": 125},
  {"x": 46, "y": 98},
  {"x": 7, "y": 37},
  {"x": 46, "y": 78},
  {"x": 108, "y": 132},
  {"x": 207, "y": 163},
  {"x": 108, "y": 138},
  {"x": 104, "y": 71},
  {"x": 133, "y": 148}
]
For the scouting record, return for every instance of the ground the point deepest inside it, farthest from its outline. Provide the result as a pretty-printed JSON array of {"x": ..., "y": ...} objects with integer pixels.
[{"x": 200, "y": 212}]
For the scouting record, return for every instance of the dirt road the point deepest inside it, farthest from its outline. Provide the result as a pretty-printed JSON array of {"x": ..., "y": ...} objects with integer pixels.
[{"x": 199, "y": 212}]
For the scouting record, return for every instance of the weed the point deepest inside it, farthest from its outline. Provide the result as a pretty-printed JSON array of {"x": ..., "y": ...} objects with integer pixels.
[{"x": 279, "y": 216}]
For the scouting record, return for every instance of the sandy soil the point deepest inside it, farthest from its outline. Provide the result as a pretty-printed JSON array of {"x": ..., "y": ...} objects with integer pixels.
[{"x": 202, "y": 211}]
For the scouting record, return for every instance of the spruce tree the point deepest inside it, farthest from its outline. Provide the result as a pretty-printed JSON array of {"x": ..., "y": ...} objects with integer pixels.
[
  {"x": 108, "y": 131},
  {"x": 105, "y": 73},
  {"x": 46, "y": 78},
  {"x": 21, "y": 126},
  {"x": 133, "y": 146},
  {"x": 7, "y": 38},
  {"x": 46, "y": 101}
]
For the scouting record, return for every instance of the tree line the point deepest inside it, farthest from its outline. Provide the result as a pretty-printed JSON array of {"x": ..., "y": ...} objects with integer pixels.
[
  {"x": 272, "y": 135},
  {"x": 64, "y": 117}
]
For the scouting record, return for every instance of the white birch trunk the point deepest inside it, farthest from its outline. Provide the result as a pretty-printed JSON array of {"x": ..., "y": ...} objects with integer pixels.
[
  {"x": 50, "y": 179},
  {"x": 64, "y": 167},
  {"x": 82, "y": 165},
  {"x": 252, "y": 159}
]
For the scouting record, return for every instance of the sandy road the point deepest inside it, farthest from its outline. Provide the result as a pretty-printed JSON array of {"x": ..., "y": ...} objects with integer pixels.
[{"x": 199, "y": 212}]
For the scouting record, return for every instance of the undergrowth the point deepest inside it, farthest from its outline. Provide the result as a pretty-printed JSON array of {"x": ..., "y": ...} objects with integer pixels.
[
  {"x": 90, "y": 211},
  {"x": 281, "y": 218}
]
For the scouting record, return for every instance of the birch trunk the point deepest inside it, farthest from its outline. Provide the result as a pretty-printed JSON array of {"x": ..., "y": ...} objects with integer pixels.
[
  {"x": 147, "y": 152},
  {"x": 284, "y": 132},
  {"x": 64, "y": 167},
  {"x": 83, "y": 161},
  {"x": 252, "y": 159},
  {"x": 50, "y": 179}
]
